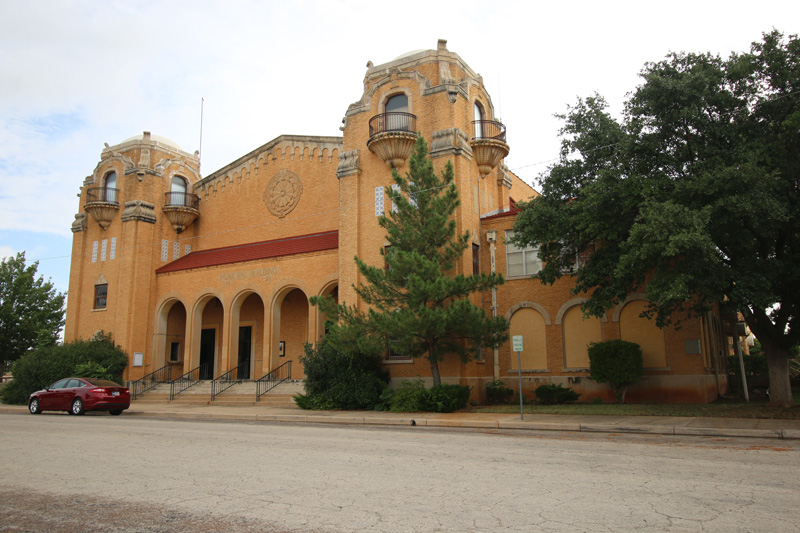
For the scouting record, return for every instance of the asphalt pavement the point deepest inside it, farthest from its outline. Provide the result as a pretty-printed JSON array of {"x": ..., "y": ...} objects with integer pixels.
[{"x": 655, "y": 425}]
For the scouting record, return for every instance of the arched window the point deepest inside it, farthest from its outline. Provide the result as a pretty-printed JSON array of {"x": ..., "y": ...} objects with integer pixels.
[
  {"x": 178, "y": 191},
  {"x": 397, "y": 113},
  {"x": 643, "y": 331},
  {"x": 110, "y": 192},
  {"x": 477, "y": 113},
  {"x": 579, "y": 332},
  {"x": 531, "y": 325}
]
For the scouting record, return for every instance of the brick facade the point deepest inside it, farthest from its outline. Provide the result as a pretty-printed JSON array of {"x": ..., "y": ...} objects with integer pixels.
[{"x": 190, "y": 279}]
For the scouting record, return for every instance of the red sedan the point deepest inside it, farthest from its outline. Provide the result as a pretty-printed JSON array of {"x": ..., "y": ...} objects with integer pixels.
[{"x": 78, "y": 395}]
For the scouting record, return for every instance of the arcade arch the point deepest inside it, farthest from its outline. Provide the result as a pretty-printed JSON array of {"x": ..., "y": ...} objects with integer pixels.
[
  {"x": 290, "y": 328},
  {"x": 170, "y": 337},
  {"x": 247, "y": 335},
  {"x": 207, "y": 322}
]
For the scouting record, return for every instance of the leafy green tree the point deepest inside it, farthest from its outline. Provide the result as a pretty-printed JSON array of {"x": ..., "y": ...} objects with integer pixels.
[
  {"x": 31, "y": 310},
  {"x": 418, "y": 305},
  {"x": 693, "y": 194},
  {"x": 616, "y": 362},
  {"x": 47, "y": 364}
]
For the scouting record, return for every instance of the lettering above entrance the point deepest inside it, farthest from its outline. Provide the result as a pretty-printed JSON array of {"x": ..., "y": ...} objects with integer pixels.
[{"x": 283, "y": 193}]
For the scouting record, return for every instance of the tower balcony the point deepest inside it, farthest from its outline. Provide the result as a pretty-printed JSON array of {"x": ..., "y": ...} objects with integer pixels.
[
  {"x": 488, "y": 145},
  {"x": 102, "y": 203},
  {"x": 392, "y": 136},
  {"x": 181, "y": 209}
]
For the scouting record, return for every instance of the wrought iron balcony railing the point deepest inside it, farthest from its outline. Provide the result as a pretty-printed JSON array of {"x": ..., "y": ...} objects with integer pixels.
[
  {"x": 102, "y": 194},
  {"x": 392, "y": 121},
  {"x": 182, "y": 199},
  {"x": 489, "y": 129}
]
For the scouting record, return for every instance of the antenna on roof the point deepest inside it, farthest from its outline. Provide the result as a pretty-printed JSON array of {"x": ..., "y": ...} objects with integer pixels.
[{"x": 200, "y": 151}]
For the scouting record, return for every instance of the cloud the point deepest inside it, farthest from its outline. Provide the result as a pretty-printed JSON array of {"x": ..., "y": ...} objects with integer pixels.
[{"x": 80, "y": 73}]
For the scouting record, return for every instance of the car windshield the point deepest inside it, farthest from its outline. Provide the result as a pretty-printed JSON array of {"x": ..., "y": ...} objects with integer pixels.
[{"x": 102, "y": 382}]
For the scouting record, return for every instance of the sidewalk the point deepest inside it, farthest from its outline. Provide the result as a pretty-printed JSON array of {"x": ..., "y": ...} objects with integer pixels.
[{"x": 655, "y": 425}]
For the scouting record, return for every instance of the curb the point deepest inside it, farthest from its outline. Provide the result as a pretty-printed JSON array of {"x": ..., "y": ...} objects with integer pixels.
[{"x": 783, "y": 434}]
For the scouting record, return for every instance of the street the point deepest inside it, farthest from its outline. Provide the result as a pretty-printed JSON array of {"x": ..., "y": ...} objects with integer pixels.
[{"x": 102, "y": 473}]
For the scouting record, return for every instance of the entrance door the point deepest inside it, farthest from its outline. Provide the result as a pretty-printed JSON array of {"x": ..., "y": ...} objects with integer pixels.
[
  {"x": 245, "y": 333},
  {"x": 208, "y": 343}
]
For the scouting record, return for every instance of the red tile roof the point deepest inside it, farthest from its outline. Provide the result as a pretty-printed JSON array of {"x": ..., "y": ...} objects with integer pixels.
[{"x": 257, "y": 250}]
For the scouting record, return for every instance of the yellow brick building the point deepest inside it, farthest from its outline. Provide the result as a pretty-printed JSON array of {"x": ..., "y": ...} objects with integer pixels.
[{"x": 210, "y": 274}]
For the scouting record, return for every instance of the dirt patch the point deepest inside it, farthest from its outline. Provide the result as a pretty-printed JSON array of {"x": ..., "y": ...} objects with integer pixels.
[{"x": 34, "y": 512}]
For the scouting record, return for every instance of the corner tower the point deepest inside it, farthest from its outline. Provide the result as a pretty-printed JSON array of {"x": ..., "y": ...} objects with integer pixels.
[
  {"x": 433, "y": 93},
  {"x": 139, "y": 197}
]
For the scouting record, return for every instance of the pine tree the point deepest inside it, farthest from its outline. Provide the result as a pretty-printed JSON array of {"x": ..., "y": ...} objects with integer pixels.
[{"x": 418, "y": 305}]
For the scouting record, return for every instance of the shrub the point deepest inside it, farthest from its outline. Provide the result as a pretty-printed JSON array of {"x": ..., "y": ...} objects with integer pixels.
[
  {"x": 754, "y": 365},
  {"x": 616, "y": 362},
  {"x": 93, "y": 369},
  {"x": 337, "y": 379},
  {"x": 317, "y": 403},
  {"x": 498, "y": 392},
  {"x": 446, "y": 398},
  {"x": 385, "y": 400},
  {"x": 551, "y": 394},
  {"x": 42, "y": 367},
  {"x": 410, "y": 397}
]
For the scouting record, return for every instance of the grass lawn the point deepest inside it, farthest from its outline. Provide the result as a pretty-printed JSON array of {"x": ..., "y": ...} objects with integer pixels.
[{"x": 720, "y": 409}]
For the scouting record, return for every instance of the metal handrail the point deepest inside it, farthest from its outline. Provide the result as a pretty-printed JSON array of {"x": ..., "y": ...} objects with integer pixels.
[
  {"x": 102, "y": 194},
  {"x": 189, "y": 379},
  {"x": 489, "y": 129},
  {"x": 144, "y": 384},
  {"x": 392, "y": 121},
  {"x": 272, "y": 379},
  {"x": 227, "y": 380},
  {"x": 181, "y": 199}
]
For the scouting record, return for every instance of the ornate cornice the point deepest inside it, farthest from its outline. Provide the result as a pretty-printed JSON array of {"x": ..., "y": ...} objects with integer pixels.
[
  {"x": 79, "y": 224},
  {"x": 139, "y": 210},
  {"x": 348, "y": 164},
  {"x": 450, "y": 141}
]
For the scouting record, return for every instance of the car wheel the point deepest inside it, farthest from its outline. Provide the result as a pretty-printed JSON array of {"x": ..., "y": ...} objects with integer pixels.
[
  {"x": 77, "y": 407},
  {"x": 115, "y": 412},
  {"x": 34, "y": 407}
]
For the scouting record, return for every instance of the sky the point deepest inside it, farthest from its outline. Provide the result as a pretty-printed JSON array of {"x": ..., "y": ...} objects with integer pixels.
[{"x": 80, "y": 73}]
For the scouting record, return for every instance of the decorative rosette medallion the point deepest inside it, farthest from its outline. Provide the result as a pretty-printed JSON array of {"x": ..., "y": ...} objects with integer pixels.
[{"x": 282, "y": 193}]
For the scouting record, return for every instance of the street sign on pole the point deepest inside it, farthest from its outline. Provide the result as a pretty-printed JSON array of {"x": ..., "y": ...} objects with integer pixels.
[
  {"x": 516, "y": 344},
  {"x": 516, "y": 340}
]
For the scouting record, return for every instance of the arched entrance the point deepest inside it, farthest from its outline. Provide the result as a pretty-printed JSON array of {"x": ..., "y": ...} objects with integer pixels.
[
  {"x": 247, "y": 335},
  {"x": 332, "y": 291},
  {"x": 209, "y": 319},
  {"x": 175, "y": 339},
  {"x": 170, "y": 345},
  {"x": 290, "y": 329}
]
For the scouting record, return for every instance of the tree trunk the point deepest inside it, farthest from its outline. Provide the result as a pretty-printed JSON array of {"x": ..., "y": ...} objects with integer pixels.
[
  {"x": 770, "y": 336},
  {"x": 780, "y": 387},
  {"x": 437, "y": 380},
  {"x": 619, "y": 392}
]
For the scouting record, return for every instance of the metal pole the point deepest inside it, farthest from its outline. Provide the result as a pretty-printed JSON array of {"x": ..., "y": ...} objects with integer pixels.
[
  {"x": 519, "y": 372},
  {"x": 737, "y": 340}
]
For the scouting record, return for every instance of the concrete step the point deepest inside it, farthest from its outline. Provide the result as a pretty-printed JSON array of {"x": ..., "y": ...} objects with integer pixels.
[{"x": 240, "y": 394}]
